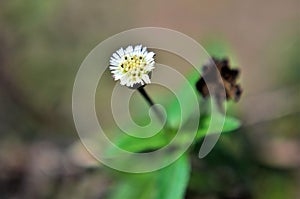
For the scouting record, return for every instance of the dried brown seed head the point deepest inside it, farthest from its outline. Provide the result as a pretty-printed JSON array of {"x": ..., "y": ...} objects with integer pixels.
[{"x": 226, "y": 78}]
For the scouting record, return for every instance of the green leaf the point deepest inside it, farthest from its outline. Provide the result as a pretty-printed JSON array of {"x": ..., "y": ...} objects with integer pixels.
[
  {"x": 140, "y": 186},
  {"x": 173, "y": 180},
  {"x": 230, "y": 124},
  {"x": 168, "y": 183},
  {"x": 174, "y": 110},
  {"x": 134, "y": 144}
]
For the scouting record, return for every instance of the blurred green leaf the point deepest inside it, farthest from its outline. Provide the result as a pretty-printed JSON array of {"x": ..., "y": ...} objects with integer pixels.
[
  {"x": 174, "y": 110},
  {"x": 230, "y": 124},
  {"x": 173, "y": 180},
  {"x": 167, "y": 183},
  {"x": 140, "y": 186},
  {"x": 134, "y": 144}
]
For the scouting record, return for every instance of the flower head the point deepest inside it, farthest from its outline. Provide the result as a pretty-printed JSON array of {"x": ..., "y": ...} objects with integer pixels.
[{"x": 132, "y": 66}]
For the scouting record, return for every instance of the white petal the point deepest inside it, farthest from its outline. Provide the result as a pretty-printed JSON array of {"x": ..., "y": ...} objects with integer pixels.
[
  {"x": 116, "y": 56},
  {"x": 114, "y": 63},
  {"x": 121, "y": 52},
  {"x": 137, "y": 48},
  {"x": 129, "y": 50},
  {"x": 144, "y": 50},
  {"x": 149, "y": 56},
  {"x": 146, "y": 79},
  {"x": 114, "y": 59}
]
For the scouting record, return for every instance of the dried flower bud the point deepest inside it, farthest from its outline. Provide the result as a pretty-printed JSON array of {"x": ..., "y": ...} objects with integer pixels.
[{"x": 228, "y": 81}]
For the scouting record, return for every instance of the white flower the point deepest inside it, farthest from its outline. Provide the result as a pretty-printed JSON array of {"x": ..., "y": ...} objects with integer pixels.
[{"x": 132, "y": 66}]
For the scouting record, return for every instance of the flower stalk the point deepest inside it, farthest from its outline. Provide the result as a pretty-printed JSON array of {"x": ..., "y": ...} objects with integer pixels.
[{"x": 143, "y": 92}]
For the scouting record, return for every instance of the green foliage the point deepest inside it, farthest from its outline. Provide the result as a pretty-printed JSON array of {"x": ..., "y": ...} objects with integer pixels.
[
  {"x": 167, "y": 183},
  {"x": 174, "y": 110},
  {"x": 134, "y": 144},
  {"x": 230, "y": 124},
  {"x": 173, "y": 180},
  {"x": 140, "y": 186},
  {"x": 161, "y": 139}
]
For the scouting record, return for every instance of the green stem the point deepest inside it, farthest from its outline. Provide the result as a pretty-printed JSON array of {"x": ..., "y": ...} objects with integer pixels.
[{"x": 151, "y": 103}]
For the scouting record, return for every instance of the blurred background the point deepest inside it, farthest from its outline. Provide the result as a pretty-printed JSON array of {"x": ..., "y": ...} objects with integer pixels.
[{"x": 42, "y": 44}]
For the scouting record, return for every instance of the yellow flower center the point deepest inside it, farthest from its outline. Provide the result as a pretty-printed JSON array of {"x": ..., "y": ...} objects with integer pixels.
[{"x": 135, "y": 65}]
